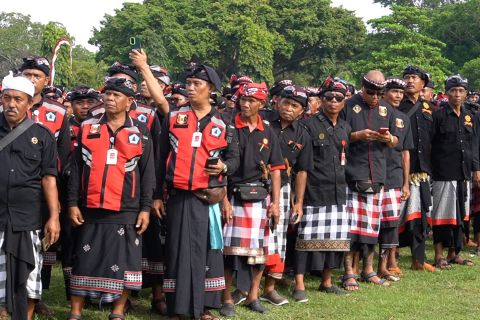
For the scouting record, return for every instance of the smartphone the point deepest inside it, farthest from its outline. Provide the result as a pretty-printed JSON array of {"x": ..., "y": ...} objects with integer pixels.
[
  {"x": 211, "y": 161},
  {"x": 294, "y": 217},
  {"x": 46, "y": 243},
  {"x": 382, "y": 130},
  {"x": 136, "y": 43}
]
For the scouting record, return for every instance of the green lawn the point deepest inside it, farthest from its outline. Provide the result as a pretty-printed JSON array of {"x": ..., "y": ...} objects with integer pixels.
[{"x": 452, "y": 294}]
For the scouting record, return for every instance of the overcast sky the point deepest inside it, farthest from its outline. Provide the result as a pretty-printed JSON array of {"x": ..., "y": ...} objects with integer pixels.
[{"x": 80, "y": 17}]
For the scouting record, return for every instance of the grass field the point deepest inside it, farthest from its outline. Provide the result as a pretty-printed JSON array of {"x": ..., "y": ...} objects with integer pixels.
[{"x": 451, "y": 294}]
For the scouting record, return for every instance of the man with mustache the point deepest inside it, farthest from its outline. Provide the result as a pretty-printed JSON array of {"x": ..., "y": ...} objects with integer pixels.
[
  {"x": 413, "y": 226},
  {"x": 27, "y": 176}
]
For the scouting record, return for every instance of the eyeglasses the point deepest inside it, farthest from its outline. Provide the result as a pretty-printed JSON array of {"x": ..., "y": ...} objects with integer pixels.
[
  {"x": 330, "y": 97},
  {"x": 371, "y": 92}
]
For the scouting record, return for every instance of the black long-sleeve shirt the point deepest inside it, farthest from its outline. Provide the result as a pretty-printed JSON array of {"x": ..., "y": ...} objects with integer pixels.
[{"x": 454, "y": 145}]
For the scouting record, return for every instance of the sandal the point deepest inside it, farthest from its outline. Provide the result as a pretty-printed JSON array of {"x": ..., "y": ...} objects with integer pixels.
[
  {"x": 368, "y": 279},
  {"x": 113, "y": 316},
  {"x": 159, "y": 306},
  {"x": 207, "y": 315},
  {"x": 332, "y": 289},
  {"x": 389, "y": 277},
  {"x": 463, "y": 262},
  {"x": 443, "y": 264},
  {"x": 397, "y": 271},
  {"x": 346, "y": 284},
  {"x": 73, "y": 316}
]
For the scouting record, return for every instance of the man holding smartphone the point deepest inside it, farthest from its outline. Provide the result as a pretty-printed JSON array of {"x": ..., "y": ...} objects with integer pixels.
[{"x": 366, "y": 172}]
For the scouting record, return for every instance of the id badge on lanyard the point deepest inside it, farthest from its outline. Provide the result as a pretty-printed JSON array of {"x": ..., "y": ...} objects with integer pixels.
[
  {"x": 112, "y": 155},
  {"x": 196, "y": 139}
]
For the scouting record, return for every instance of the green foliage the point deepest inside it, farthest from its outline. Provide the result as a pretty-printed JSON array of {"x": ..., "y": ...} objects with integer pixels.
[
  {"x": 52, "y": 33},
  {"x": 471, "y": 70},
  {"x": 457, "y": 26},
  {"x": 19, "y": 37},
  {"x": 86, "y": 70},
  {"x": 266, "y": 38},
  {"x": 418, "y": 3},
  {"x": 400, "y": 39}
]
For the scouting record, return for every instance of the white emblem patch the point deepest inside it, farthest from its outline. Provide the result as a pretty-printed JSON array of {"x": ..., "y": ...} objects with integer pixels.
[
  {"x": 50, "y": 116},
  {"x": 142, "y": 118},
  {"x": 216, "y": 132},
  {"x": 133, "y": 139}
]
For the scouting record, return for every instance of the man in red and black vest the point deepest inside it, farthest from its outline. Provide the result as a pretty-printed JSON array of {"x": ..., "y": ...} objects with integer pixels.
[
  {"x": 82, "y": 99},
  {"x": 197, "y": 150},
  {"x": 109, "y": 197},
  {"x": 52, "y": 115}
]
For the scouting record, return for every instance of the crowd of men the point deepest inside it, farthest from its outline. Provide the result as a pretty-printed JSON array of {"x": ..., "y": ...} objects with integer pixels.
[{"x": 193, "y": 189}]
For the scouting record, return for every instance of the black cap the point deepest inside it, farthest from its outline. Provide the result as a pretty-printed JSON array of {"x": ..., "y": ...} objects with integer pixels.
[
  {"x": 296, "y": 93},
  {"x": 122, "y": 85},
  {"x": 83, "y": 92},
  {"x": 204, "y": 72},
  {"x": 127, "y": 69},
  {"x": 425, "y": 76},
  {"x": 36, "y": 62},
  {"x": 456, "y": 81},
  {"x": 278, "y": 86}
]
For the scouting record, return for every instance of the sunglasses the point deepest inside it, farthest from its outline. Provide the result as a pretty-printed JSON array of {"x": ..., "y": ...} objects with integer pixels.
[
  {"x": 330, "y": 97},
  {"x": 371, "y": 92}
]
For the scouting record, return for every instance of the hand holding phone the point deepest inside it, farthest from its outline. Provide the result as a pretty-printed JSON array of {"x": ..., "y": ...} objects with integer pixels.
[
  {"x": 382, "y": 130},
  {"x": 136, "y": 43},
  {"x": 211, "y": 161}
]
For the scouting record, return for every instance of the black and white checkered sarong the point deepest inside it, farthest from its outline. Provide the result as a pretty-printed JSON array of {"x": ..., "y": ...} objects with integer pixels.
[
  {"x": 277, "y": 242},
  {"x": 34, "y": 282},
  {"x": 324, "y": 228}
]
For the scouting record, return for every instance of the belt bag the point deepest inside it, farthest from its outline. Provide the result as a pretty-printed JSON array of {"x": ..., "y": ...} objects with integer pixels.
[
  {"x": 365, "y": 187},
  {"x": 250, "y": 192},
  {"x": 211, "y": 195}
]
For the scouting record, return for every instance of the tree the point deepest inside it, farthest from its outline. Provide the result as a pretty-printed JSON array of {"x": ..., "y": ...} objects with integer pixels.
[
  {"x": 86, "y": 70},
  {"x": 19, "y": 38},
  {"x": 265, "y": 38},
  {"x": 418, "y": 3},
  {"x": 400, "y": 39},
  {"x": 52, "y": 33},
  {"x": 471, "y": 70},
  {"x": 457, "y": 26}
]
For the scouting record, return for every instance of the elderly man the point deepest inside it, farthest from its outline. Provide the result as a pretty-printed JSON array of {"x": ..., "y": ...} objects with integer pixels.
[
  {"x": 373, "y": 131},
  {"x": 246, "y": 231},
  {"x": 109, "y": 198},
  {"x": 29, "y": 167},
  {"x": 454, "y": 160}
]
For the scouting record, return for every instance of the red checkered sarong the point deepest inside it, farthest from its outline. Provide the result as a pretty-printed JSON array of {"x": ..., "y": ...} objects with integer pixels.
[
  {"x": 247, "y": 233},
  {"x": 391, "y": 202},
  {"x": 365, "y": 211}
]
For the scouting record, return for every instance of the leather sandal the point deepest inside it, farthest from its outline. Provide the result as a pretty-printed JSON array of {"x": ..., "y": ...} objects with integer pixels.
[
  {"x": 368, "y": 279},
  {"x": 112, "y": 316}
]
